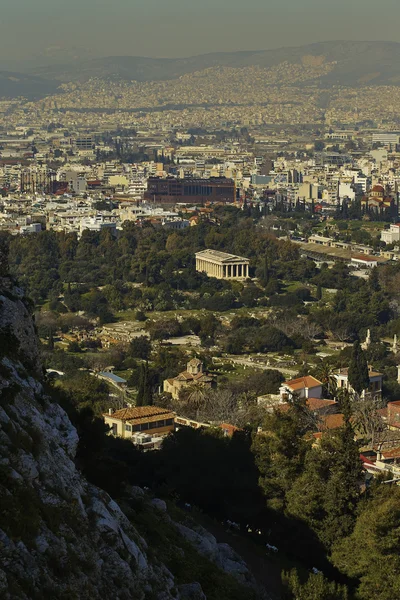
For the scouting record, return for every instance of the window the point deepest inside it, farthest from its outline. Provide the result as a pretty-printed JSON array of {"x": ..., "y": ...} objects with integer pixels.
[
  {"x": 136, "y": 428},
  {"x": 169, "y": 421},
  {"x": 144, "y": 426},
  {"x": 114, "y": 429},
  {"x": 128, "y": 427}
]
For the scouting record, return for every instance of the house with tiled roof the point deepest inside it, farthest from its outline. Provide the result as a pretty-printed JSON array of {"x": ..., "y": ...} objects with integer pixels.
[
  {"x": 194, "y": 374},
  {"x": 318, "y": 406},
  {"x": 152, "y": 420},
  {"x": 304, "y": 387}
]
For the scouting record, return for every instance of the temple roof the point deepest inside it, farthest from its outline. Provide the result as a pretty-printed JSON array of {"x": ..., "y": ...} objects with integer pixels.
[{"x": 220, "y": 257}]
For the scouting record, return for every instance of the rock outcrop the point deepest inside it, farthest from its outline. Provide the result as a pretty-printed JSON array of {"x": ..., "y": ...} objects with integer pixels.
[
  {"x": 220, "y": 554},
  {"x": 60, "y": 536}
]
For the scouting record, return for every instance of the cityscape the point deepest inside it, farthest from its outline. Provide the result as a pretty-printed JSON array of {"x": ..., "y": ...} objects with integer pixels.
[{"x": 200, "y": 324}]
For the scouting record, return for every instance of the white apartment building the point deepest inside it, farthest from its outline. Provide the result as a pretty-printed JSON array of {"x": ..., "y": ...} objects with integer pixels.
[
  {"x": 386, "y": 138},
  {"x": 391, "y": 235}
]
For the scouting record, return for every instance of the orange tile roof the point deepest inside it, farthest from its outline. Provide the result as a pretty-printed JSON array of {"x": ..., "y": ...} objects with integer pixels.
[
  {"x": 303, "y": 382},
  {"x": 138, "y": 412},
  {"x": 332, "y": 421},
  {"x": 184, "y": 376},
  {"x": 365, "y": 257},
  {"x": 228, "y": 428},
  {"x": 312, "y": 404},
  {"x": 203, "y": 377},
  {"x": 392, "y": 453},
  {"x": 316, "y": 403}
]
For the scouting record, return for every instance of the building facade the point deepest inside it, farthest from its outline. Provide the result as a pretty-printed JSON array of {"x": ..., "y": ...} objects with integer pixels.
[
  {"x": 193, "y": 191},
  {"x": 222, "y": 265},
  {"x": 375, "y": 383},
  {"x": 391, "y": 235}
]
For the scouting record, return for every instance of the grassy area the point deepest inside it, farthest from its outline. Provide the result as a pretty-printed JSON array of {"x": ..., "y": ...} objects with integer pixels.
[{"x": 292, "y": 286}]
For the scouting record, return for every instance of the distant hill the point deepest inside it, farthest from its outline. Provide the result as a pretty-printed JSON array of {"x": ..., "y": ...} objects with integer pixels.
[
  {"x": 357, "y": 63},
  {"x": 13, "y": 85}
]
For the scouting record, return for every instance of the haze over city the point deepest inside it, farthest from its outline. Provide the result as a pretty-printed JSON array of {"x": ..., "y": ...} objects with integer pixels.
[{"x": 62, "y": 31}]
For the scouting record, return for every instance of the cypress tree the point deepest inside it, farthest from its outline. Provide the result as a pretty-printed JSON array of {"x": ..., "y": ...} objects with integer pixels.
[
  {"x": 140, "y": 394},
  {"x": 145, "y": 393},
  {"x": 358, "y": 369},
  {"x": 51, "y": 340},
  {"x": 374, "y": 280}
]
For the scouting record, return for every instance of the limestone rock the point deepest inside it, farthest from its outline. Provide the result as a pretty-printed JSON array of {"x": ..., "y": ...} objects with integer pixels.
[{"x": 191, "y": 591}]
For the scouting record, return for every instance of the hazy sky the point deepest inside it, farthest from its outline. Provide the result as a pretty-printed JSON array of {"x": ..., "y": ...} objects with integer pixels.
[{"x": 49, "y": 28}]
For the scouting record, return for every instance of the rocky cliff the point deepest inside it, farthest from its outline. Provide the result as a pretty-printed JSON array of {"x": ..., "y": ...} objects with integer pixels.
[{"x": 60, "y": 536}]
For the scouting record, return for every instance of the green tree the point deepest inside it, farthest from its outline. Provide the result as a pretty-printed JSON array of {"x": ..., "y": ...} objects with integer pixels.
[
  {"x": 325, "y": 372},
  {"x": 140, "y": 347},
  {"x": 371, "y": 552},
  {"x": 280, "y": 451},
  {"x": 358, "y": 369},
  {"x": 326, "y": 493},
  {"x": 373, "y": 280},
  {"x": 317, "y": 587},
  {"x": 145, "y": 387}
]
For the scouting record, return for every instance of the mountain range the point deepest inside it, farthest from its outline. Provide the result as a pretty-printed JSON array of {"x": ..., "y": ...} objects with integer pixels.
[{"x": 353, "y": 63}]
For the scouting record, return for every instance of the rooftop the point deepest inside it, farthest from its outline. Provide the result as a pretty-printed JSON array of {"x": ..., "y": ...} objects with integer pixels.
[
  {"x": 139, "y": 412},
  {"x": 112, "y": 376},
  {"x": 302, "y": 382},
  {"x": 364, "y": 257},
  {"x": 332, "y": 421},
  {"x": 313, "y": 404},
  {"x": 345, "y": 372},
  {"x": 216, "y": 255}
]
